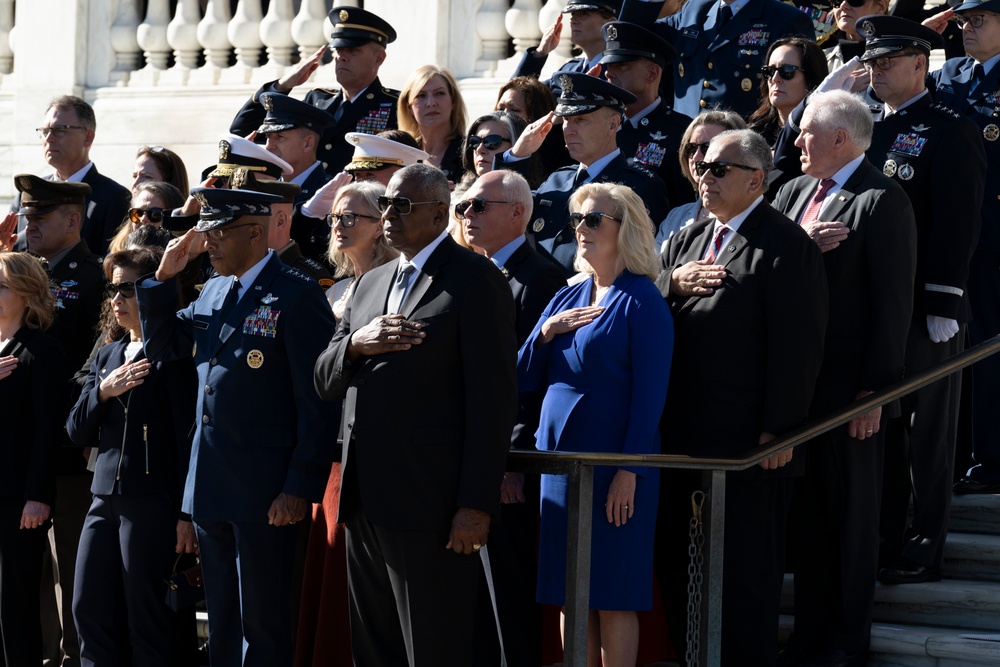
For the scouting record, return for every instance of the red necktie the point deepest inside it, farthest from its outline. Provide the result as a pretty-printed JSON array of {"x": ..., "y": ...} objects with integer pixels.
[
  {"x": 713, "y": 250},
  {"x": 816, "y": 203}
]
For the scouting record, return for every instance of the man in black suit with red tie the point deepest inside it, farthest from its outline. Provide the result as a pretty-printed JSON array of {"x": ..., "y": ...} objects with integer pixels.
[
  {"x": 748, "y": 292},
  {"x": 864, "y": 224},
  {"x": 495, "y": 214},
  {"x": 424, "y": 357}
]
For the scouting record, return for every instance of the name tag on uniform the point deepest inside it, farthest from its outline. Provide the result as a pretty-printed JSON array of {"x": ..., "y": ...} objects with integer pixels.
[{"x": 690, "y": 32}]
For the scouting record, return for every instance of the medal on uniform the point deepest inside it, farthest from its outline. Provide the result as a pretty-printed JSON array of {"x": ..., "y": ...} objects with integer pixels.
[
  {"x": 906, "y": 172},
  {"x": 889, "y": 168},
  {"x": 991, "y": 132},
  {"x": 746, "y": 85},
  {"x": 255, "y": 359},
  {"x": 538, "y": 225}
]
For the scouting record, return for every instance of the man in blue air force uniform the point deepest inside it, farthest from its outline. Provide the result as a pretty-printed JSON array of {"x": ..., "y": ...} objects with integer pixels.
[{"x": 262, "y": 446}]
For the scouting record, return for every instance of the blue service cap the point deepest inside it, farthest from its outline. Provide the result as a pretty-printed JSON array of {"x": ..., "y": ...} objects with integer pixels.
[
  {"x": 582, "y": 94},
  {"x": 286, "y": 113},
  {"x": 220, "y": 207},
  {"x": 885, "y": 34}
]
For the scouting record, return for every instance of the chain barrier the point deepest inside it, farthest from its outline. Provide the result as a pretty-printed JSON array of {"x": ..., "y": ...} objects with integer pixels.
[{"x": 695, "y": 577}]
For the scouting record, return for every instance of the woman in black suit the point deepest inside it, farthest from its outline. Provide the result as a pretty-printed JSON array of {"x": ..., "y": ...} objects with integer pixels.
[
  {"x": 34, "y": 386},
  {"x": 141, "y": 414}
]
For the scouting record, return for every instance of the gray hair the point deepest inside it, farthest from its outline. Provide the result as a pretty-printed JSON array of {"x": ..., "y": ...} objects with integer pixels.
[
  {"x": 431, "y": 181},
  {"x": 516, "y": 190},
  {"x": 754, "y": 151},
  {"x": 839, "y": 109}
]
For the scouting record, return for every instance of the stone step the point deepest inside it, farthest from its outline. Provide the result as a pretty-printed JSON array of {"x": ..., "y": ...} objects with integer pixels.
[
  {"x": 972, "y": 556},
  {"x": 926, "y": 646},
  {"x": 952, "y": 603},
  {"x": 976, "y": 513}
]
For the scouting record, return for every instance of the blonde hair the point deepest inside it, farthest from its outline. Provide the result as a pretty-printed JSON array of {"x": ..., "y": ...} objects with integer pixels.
[
  {"x": 369, "y": 191},
  {"x": 635, "y": 232},
  {"x": 28, "y": 280},
  {"x": 417, "y": 80}
]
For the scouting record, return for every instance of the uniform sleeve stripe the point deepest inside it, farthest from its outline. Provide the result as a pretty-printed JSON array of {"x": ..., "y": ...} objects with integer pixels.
[{"x": 947, "y": 289}]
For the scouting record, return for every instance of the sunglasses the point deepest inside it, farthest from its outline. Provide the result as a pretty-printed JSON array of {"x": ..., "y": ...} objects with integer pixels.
[
  {"x": 127, "y": 290},
  {"x": 690, "y": 149},
  {"x": 401, "y": 205},
  {"x": 347, "y": 219},
  {"x": 786, "y": 72},
  {"x": 154, "y": 214},
  {"x": 718, "y": 168},
  {"x": 592, "y": 219},
  {"x": 478, "y": 205},
  {"x": 491, "y": 142}
]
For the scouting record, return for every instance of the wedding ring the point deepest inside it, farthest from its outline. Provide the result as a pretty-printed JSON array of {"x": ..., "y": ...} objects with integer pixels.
[
  {"x": 477, "y": 547},
  {"x": 700, "y": 282}
]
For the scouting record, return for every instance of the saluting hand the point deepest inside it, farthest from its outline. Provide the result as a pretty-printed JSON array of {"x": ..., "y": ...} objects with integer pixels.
[
  {"x": 178, "y": 253},
  {"x": 301, "y": 73},
  {"x": 533, "y": 136},
  {"x": 551, "y": 37},
  {"x": 8, "y": 232}
]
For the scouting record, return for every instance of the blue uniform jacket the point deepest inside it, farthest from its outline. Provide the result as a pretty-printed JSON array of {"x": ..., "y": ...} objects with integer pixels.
[
  {"x": 144, "y": 434},
  {"x": 714, "y": 69},
  {"x": 261, "y": 429}
]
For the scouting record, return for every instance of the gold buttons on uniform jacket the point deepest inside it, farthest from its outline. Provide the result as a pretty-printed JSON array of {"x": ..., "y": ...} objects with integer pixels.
[
  {"x": 710, "y": 65},
  {"x": 703, "y": 104},
  {"x": 706, "y": 84},
  {"x": 205, "y": 419}
]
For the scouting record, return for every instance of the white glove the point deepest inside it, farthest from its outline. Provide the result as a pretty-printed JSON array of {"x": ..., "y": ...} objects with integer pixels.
[
  {"x": 841, "y": 78},
  {"x": 941, "y": 329},
  {"x": 319, "y": 204}
]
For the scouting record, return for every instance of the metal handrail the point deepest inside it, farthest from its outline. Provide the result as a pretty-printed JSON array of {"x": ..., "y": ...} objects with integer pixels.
[{"x": 579, "y": 468}]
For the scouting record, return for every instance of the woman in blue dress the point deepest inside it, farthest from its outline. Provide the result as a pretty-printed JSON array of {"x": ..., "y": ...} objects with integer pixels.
[{"x": 601, "y": 352}]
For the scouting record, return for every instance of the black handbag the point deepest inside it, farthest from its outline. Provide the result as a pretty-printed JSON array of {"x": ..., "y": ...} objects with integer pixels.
[{"x": 185, "y": 587}]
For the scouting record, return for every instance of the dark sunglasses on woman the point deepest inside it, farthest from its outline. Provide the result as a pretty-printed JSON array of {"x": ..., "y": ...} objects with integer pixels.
[
  {"x": 154, "y": 214},
  {"x": 490, "y": 141},
  {"x": 592, "y": 219},
  {"x": 718, "y": 168},
  {"x": 786, "y": 72},
  {"x": 691, "y": 148},
  {"x": 127, "y": 290}
]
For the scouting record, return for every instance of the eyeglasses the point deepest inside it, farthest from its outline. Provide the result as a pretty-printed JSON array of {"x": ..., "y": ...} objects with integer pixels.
[
  {"x": 592, "y": 219},
  {"x": 127, "y": 290},
  {"x": 154, "y": 214},
  {"x": 346, "y": 219},
  {"x": 478, "y": 205},
  {"x": 219, "y": 234},
  {"x": 401, "y": 205},
  {"x": 786, "y": 72},
  {"x": 491, "y": 142},
  {"x": 975, "y": 20},
  {"x": 885, "y": 62},
  {"x": 718, "y": 168},
  {"x": 58, "y": 130},
  {"x": 691, "y": 149}
]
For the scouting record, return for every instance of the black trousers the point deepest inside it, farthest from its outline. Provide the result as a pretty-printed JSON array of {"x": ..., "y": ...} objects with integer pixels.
[
  {"x": 126, "y": 552},
  {"x": 20, "y": 577},
  {"x": 920, "y": 456},
  {"x": 413, "y": 602}
]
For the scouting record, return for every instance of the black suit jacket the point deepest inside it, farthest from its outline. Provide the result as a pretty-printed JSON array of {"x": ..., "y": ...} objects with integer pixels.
[
  {"x": 533, "y": 282},
  {"x": 427, "y": 429},
  {"x": 107, "y": 205},
  {"x": 752, "y": 350},
  {"x": 870, "y": 278},
  {"x": 35, "y": 397}
]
